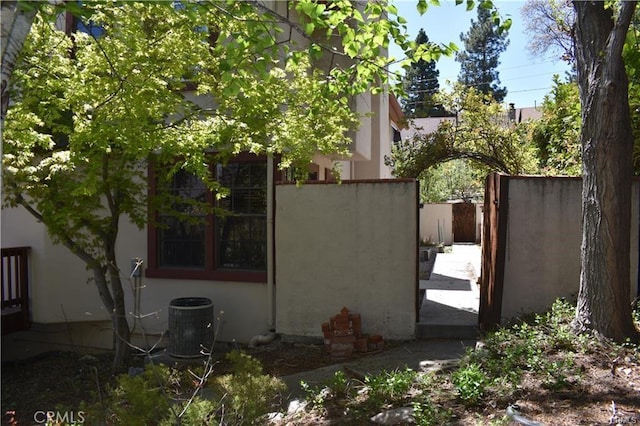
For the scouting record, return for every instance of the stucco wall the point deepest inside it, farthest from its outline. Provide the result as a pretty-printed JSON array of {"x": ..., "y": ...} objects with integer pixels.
[
  {"x": 542, "y": 260},
  {"x": 61, "y": 289},
  {"x": 432, "y": 213},
  {"x": 59, "y": 286},
  {"x": 432, "y": 216},
  {"x": 350, "y": 245}
]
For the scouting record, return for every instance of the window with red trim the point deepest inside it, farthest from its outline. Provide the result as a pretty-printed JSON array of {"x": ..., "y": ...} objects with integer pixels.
[{"x": 196, "y": 244}]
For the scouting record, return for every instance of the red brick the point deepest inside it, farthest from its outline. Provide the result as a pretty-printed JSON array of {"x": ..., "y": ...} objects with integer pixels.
[
  {"x": 341, "y": 346},
  {"x": 343, "y": 339},
  {"x": 361, "y": 345},
  {"x": 375, "y": 338},
  {"x": 347, "y": 332},
  {"x": 357, "y": 324},
  {"x": 342, "y": 325}
]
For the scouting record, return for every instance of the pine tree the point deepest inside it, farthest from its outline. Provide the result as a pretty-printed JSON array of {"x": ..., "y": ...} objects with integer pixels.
[
  {"x": 480, "y": 57},
  {"x": 420, "y": 84}
]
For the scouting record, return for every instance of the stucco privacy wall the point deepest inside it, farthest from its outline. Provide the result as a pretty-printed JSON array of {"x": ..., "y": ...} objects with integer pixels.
[
  {"x": 542, "y": 258},
  {"x": 353, "y": 245},
  {"x": 433, "y": 216}
]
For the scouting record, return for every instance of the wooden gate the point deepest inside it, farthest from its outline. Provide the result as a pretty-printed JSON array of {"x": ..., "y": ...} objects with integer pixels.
[
  {"x": 15, "y": 289},
  {"x": 464, "y": 222},
  {"x": 496, "y": 196}
]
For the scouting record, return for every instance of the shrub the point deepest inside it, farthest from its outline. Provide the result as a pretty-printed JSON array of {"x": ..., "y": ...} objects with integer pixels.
[
  {"x": 470, "y": 383},
  {"x": 247, "y": 393},
  {"x": 137, "y": 400},
  {"x": 427, "y": 413},
  {"x": 388, "y": 387}
]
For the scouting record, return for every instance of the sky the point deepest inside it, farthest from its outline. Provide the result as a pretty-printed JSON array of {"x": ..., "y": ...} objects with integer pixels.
[{"x": 527, "y": 78}]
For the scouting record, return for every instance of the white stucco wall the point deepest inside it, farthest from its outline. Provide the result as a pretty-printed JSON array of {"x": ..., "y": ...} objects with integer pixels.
[
  {"x": 61, "y": 289},
  {"x": 351, "y": 245},
  {"x": 542, "y": 261},
  {"x": 59, "y": 286},
  {"x": 432, "y": 216}
]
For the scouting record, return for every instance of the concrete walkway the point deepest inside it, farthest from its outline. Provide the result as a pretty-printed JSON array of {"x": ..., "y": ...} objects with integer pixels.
[
  {"x": 452, "y": 294},
  {"x": 418, "y": 355}
]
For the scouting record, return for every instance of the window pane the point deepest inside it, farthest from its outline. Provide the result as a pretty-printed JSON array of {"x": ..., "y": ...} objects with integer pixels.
[
  {"x": 182, "y": 235},
  {"x": 242, "y": 242},
  {"x": 181, "y": 244},
  {"x": 241, "y": 236}
]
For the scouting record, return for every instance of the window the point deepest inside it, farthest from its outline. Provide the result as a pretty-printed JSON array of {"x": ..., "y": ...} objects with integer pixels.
[
  {"x": 228, "y": 246},
  {"x": 181, "y": 241},
  {"x": 241, "y": 235}
]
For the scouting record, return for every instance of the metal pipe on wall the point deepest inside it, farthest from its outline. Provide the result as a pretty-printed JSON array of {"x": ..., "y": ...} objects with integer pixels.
[{"x": 270, "y": 245}]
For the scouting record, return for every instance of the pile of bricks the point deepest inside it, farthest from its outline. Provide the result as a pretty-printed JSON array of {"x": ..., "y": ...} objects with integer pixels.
[{"x": 343, "y": 336}]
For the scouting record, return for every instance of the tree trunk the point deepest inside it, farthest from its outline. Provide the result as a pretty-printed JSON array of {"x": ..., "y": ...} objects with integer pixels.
[
  {"x": 604, "y": 300},
  {"x": 120, "y": 323},
  {"x": 113, "y": 300}
]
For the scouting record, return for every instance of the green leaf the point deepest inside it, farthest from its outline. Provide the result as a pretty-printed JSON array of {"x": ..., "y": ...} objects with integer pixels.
[
  {"x": 470, "y": 5},
  {"x": 309, "y": 28},
  {"x": 307, "y": 8},
  {"x": 506, "y": 25},
  {"x": 422, "y": 6},
  {"x": 28, "y": 6}
]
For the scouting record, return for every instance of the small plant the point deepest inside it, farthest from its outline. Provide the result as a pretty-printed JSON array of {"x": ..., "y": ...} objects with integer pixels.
[
  {"x": 555, "y": 375},
  {"x": 427, "y": 242},
  {"x": 340, "y": 384},
  {"x": 388, "y": 387},
  {"x": 137, "y": 400},
  {"x": 200, "y": 412},
  {"x": 247, "y": 393},
  {"x": 316, "y": 396},
  {"x": 470, "y": 383},
  {"x": 427, "y": 413}
]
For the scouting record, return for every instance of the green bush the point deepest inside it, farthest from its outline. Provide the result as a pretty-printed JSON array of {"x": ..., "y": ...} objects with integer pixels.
[
  {"x": 160, "y": 395},
  {"x": 470, "y": 383},
  {"x": 137, "y": 400},
  {"x": 427, "y": 413},
  {"x": 388, "y": 387},
  {"x": 247, "y": 393},
  {"x": 199, "y": 412}
]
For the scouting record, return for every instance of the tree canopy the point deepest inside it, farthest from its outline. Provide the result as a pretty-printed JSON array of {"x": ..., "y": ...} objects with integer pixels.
[
  {"x": 480, "y": 132},
  {"x": 483, "y": 44},
  {"x": 550, "y": 26},
  {"x": 420, "y": 84},
  {"x": 556, "y": 134}
]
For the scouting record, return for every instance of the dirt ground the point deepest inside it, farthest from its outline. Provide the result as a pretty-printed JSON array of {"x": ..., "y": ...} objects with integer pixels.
[
  {"x": 607, "y": 391},
  {"x": 60, "y": 380}
]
